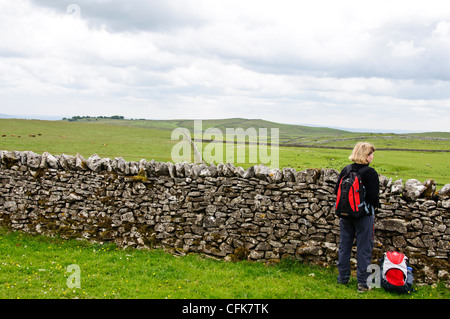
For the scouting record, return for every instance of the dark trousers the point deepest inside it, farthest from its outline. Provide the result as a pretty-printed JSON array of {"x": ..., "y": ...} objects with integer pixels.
[{"x": 363, "y": 229}]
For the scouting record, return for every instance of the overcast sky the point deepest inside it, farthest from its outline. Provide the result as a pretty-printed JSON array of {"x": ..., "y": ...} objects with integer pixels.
[{"x": 357, "y": 64}]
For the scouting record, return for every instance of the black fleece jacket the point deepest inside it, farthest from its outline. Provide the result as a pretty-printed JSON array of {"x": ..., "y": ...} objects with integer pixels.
[{"x": 370, "y": 181}]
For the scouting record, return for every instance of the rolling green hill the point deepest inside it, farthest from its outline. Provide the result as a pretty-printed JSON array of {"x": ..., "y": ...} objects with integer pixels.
[
  {"x": 293, "y": 134},
  {"x": 287, "y": 132}
]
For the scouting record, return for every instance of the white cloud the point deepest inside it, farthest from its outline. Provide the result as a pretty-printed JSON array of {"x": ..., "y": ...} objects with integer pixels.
[
  {"x": 405, "y": 49},
  {"x": 305, "y": 62},
  {"x": 442, "y": 30}
]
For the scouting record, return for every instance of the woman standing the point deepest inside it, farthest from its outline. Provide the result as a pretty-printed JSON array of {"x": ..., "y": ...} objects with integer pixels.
[{"x": 363, "y": 227}]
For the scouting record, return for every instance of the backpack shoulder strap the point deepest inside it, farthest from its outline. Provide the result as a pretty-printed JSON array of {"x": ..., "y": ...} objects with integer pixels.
[
  {"x": 348, "y": 168},
  {"x": 363, "y": 170}
]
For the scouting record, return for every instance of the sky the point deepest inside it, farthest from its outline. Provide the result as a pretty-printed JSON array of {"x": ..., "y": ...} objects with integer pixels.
[{"x": 375, "y": 65}]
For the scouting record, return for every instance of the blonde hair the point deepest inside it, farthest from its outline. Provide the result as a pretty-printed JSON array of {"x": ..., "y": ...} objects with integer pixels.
[{"x": 360, "y": 152}]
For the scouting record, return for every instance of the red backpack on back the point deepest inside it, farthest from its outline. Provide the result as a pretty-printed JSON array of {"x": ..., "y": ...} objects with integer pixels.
[{"x": 350, "y": 201}]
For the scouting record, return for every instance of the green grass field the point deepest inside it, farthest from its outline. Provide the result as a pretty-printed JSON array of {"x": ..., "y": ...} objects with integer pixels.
[
  {"x": 36, "y": 267},
  {"x": 138, "y": 139}
]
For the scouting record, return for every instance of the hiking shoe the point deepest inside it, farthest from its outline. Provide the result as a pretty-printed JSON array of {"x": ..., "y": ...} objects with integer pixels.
[
  {"x": 342, "y": 281},
  {"x": 362, "y": 288}
]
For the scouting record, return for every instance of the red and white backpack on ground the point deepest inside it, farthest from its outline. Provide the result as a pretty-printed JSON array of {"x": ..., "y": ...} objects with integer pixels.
[{"x": 396, "y": 275}]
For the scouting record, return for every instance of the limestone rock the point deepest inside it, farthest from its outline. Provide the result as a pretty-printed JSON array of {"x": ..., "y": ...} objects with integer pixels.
[
  {"x": 80, "y": 162},
  {"x": 413, "y": 189},
  {"x": 397, "y": 187},
  {"x": 309, "y": 175},
  {"x": 33, "y": 160},
  {"x": 67, "y": 162},
  {"x": 288, "y": 174},
  {"x": 329, "y": 175},
  {"x": 48, "y": 160},
  {"x": 430, "y": 188},
  {"x": 445, "y": 191},
  {"x": 94, "y": 162},
  {"x": 261, "y": 171},
  {"x": 393, "y": 224}
]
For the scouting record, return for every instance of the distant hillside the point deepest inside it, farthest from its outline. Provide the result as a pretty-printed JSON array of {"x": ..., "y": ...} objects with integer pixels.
[
  {"x": 287, "y": 132},
  {"x": 443, "y": 135}
]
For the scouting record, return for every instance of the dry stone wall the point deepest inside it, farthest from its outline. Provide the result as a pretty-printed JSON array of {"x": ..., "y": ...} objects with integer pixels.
[{"x": 222, "y": 211}]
